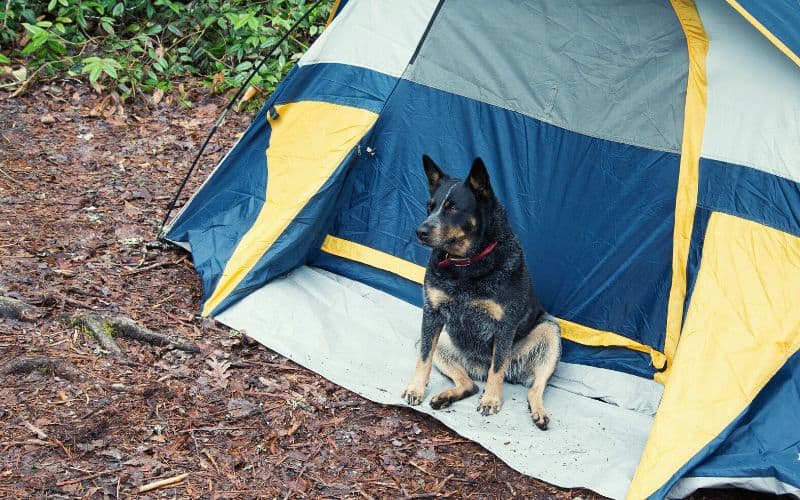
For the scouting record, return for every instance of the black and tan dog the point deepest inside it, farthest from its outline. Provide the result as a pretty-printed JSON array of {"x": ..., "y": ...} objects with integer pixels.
[{"x": 481, "y": 318}]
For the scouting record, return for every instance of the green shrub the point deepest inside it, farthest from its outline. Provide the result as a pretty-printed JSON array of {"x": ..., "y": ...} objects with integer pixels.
[{"x": 136, "y": 46}]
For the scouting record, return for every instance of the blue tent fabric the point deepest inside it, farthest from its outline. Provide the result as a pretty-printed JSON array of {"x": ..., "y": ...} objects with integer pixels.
[
  {"x": 215, "y": 219},
  {"x": 751, "y": 194},
  {"x": 780, "y": 17}
]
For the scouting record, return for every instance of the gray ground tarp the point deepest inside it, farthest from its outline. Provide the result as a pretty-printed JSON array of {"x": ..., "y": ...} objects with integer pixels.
[{"x": 363, "y": 339}]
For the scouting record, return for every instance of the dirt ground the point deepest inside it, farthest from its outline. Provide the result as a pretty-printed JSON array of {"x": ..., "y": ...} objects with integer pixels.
[{"x": 83, "y": 186}]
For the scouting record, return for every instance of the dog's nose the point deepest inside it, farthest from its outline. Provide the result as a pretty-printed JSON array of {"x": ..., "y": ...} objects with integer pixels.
[{"x": 423, "y": 234}]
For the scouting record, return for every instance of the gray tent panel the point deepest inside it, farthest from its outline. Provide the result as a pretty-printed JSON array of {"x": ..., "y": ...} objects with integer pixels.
[{"x": 626, "y": 84}]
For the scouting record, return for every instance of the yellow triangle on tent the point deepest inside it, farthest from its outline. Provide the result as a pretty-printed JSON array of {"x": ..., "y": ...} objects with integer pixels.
[
  {"x": 309, "y": 141},
  {"x": 741, "y": 327}
]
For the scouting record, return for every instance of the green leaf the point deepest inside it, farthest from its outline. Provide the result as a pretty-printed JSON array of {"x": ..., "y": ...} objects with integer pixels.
[
  {"x": 243, "y": 66},
  {"x": 110, "y": 71},
  {"x": 107, "y": 24},
  {"x": 94, "y": 73},
  {"x": 36, "y": 41},
  {"x": 208, "y": 21},
  {"x": 57, "y": 46},
  {"x": 118, "y": 10},
  {"x": 4, "y": 59},
  {"x": 174, "y": 29},
  {"x": 33, "y": 30}
]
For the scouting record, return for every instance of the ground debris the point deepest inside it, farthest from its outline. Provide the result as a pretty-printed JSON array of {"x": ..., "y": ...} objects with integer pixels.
[
  {"x": 28, "y": 364},
  {"x": 15, "y": 309}
]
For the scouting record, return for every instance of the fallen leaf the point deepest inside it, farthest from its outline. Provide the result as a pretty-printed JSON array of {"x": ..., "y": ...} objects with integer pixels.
[
  {"x": 240, "y": 407},
  {"x": 39, "y": 432},
  {"x": 218, "y": 372},
  {"x": 250, "y": 93},
  {"x": 20, "y": 74},
  {"x": 158, "y": 94},
  {"x": 112, "y": 452},
  {"x": 427, "y": 453}
]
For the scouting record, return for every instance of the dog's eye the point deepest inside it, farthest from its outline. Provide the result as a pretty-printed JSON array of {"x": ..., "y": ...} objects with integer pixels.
[
  {"x": 430, "y": 206},
  {"x": 450, "y": 207}
]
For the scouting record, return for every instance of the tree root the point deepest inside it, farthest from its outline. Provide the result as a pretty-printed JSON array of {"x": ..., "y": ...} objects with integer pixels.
[
  {"x": 29, "y": 364},
  {"x": 16, "y": 309},
  {"x": 99, "y": 329},
  {"x": 105, "y": 328}
]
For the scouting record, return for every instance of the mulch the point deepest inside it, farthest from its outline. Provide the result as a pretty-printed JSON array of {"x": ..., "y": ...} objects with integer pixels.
[{"x": 84, "y": 182}]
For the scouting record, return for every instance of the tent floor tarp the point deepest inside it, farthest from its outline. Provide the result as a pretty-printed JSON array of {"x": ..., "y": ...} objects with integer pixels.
[{"x": 363, "y": 340}]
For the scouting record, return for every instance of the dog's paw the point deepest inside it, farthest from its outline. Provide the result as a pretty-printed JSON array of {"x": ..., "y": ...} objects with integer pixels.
[
  {"x": 489, "y": 405},
  {"x": 414, "y": 395},
  {"x": 540, "y": 418},
  {"x": 442, "y": 400}
]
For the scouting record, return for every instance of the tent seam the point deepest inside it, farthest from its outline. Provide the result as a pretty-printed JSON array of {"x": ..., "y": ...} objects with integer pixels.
[{"x": 689, "y": 173}]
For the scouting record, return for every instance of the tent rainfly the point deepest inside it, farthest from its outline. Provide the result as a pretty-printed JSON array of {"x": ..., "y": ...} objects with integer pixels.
[{"x": 648, "y": 153}]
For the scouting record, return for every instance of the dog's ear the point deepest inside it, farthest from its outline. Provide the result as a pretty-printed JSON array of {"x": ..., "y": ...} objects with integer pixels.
[
  {"x": 478, "y": 180},
  {"x": 434, "y": 173}
]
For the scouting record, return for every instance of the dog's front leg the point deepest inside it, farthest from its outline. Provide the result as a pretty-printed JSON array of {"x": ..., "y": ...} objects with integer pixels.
[
  {"x": 492, "y": 398},
  {"x": 432, "y": 324}
]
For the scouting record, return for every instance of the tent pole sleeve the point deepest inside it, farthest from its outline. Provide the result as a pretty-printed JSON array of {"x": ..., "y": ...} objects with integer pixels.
[
  {"x": 688, "y": 177},
  {"x": 764, "y": 31},
  {"x": 334, "y": 9}
]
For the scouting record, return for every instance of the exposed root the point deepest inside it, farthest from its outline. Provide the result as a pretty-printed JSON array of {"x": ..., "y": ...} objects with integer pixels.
[
  {"x": 16, "y": 309},
  {"x": 105, "y": 328},
  {"x": 99, "y": 329},
  {"x": 29, "y": 364}
]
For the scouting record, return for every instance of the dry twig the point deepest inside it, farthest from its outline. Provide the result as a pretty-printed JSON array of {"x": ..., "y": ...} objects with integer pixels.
[{"x": 164, "y": 482}]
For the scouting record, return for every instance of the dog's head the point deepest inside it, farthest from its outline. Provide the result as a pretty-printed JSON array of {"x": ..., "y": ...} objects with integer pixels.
[{"x": 457, "y": 209}]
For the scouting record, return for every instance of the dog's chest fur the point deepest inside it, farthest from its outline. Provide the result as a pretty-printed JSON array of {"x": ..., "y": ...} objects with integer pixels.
[{"x": 474, "y": 310}]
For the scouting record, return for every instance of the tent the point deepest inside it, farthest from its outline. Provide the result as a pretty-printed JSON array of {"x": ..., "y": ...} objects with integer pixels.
[{"x": 648, "y": 153}]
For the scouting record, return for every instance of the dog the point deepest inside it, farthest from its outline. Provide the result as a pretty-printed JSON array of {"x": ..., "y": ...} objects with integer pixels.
[{"x": 481, "y": 319}]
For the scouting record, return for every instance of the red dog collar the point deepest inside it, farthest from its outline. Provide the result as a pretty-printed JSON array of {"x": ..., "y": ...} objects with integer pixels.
[{"x": 449, "y": 261}]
